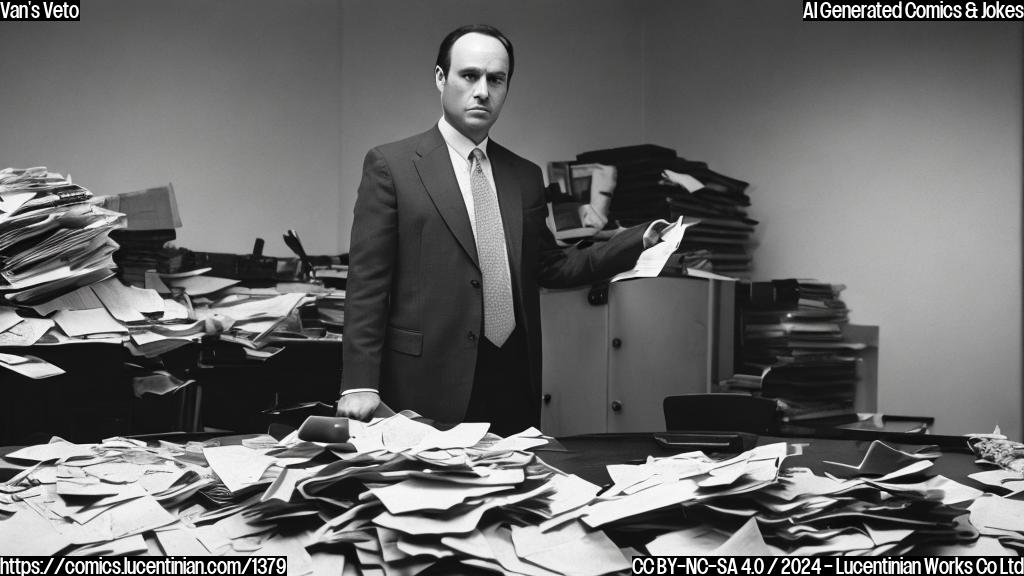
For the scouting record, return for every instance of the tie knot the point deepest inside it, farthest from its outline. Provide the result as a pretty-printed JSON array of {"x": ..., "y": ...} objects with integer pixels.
[{"x": 478, "y": 155}]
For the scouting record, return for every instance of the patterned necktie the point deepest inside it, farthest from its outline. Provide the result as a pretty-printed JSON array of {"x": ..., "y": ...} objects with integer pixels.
[{"x": 499, "y": 317}]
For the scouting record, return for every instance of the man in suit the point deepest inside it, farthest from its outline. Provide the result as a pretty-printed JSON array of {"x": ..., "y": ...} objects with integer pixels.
[{"x": 449, "y": 245}]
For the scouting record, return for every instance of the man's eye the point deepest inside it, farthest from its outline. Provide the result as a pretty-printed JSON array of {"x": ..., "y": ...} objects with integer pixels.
[
  {"x": 470, "y": 77},
  {"x": 497, "y": 81}
]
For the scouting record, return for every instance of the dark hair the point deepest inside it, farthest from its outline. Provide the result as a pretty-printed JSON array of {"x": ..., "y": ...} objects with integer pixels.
[{"x": 444, "y": 53}]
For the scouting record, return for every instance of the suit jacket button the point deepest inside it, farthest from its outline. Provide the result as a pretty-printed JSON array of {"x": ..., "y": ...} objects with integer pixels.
[
  {"x": 475, "y": 283},
  {"x": 471, "y": 336}
]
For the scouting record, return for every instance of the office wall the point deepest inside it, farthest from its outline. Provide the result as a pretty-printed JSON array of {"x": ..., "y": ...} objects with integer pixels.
[
  {"x": 575, "y": 87},
  {"x": 886, "y": 156},
  {"x": 234, "y": 101}
]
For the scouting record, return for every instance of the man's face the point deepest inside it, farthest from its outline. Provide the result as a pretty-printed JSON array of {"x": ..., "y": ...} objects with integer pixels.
[{"x": 474, "y": 90}]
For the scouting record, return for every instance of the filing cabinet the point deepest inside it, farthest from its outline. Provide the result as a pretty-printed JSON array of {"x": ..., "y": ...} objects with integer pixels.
[{"x": 613, "y": 352}]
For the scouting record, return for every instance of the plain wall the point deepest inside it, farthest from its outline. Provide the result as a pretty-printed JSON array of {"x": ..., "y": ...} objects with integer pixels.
[
  {"x": 886, "y": 156},
  {"x": 235, "y": 102}
]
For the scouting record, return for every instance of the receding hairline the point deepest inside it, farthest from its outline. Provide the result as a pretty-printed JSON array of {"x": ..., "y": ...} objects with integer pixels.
[
  {"x": 447, "y": 44},
  {"x": 506, "y": 72}
]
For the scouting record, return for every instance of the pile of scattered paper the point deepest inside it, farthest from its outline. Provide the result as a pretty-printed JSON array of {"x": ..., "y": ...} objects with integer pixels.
[
  {"x": 889, "y": 504},
  {"x": 52, "y": 239},
  {"x": 400, "y": 496},
  {"x": 144, "y": 321}
]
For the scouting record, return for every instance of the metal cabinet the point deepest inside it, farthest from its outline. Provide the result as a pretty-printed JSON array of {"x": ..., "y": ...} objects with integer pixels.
[{"x": 613, "y": 352}]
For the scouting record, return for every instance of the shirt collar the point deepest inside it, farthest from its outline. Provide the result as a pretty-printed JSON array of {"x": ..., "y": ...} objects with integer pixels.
[{"x": 457, "y": 141}]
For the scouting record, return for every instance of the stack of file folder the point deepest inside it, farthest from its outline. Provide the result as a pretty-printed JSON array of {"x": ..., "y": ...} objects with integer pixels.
[
  {"x": 143, "y": 250},
  {"x": 653, "y": 182},
  {"x": 147, "y": 238},
  {"x": 52, "y": 238},
  {"x": 792, "y": 347}
]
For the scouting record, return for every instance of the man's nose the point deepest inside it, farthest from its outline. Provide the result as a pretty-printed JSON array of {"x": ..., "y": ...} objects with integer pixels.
[{"x": 480, "y": 89}]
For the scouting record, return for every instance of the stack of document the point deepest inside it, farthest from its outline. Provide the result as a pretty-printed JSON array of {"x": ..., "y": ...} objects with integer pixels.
[
  {"x": 52, "y": 240},
  {"x": 146, "y": 240},
  {"x": 143, "y": 250},
  {"x": 653, "y": 182},
  {"x": 792, "y": 346}
]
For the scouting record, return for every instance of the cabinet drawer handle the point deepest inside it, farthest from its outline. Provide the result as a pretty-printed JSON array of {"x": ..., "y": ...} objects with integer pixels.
[{"x": 616, "y": 406}]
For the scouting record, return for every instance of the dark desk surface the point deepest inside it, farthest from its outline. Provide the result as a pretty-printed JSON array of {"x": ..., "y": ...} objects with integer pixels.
[{"x": 588, "y": 455}]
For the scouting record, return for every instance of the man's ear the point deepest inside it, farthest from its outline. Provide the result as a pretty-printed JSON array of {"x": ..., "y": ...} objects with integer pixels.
[{"x": 439, "y": 78}]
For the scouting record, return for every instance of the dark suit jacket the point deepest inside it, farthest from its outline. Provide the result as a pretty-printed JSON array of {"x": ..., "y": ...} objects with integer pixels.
[{"x": 414, "y": 306}]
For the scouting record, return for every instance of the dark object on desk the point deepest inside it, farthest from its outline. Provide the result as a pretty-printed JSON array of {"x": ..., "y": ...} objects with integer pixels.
[
  {"x": 253, "y": 267},
  {"x": 589, "y": 454},
  {"x": 330, "y": 429},
  {"x": 730, "y": 412},
  {"x": 294, "y": 415},
  {"x": 875, "y": 422},
  {"x": 894, "y": 423},
  {"x": 291, "y": 239}
]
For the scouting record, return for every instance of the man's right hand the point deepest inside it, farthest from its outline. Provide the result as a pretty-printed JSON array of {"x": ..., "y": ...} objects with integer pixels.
[{"x": 358, "y": 405}]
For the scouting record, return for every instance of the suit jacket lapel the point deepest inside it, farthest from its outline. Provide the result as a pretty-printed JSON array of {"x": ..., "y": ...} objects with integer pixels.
[
  {"x": 434, "y": 165},
  {"x": 510, "y": 202}
]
